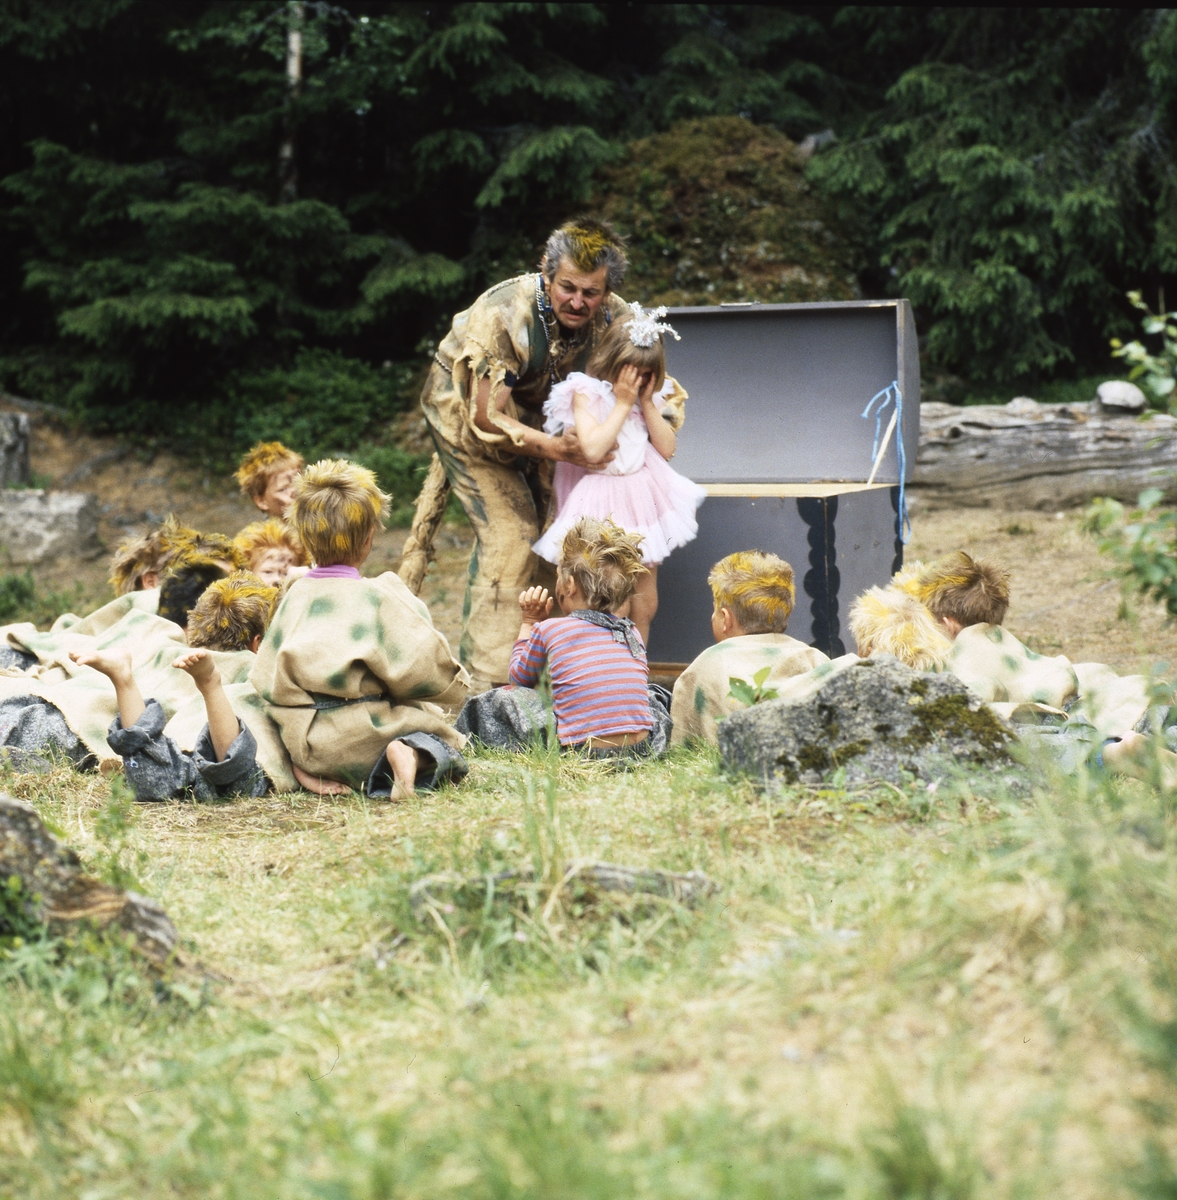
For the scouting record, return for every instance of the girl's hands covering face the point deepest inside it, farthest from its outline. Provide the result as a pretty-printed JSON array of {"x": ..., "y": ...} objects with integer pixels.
[{"x": 628, "y": 387}]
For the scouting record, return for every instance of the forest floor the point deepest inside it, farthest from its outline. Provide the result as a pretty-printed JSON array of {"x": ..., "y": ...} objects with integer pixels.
[{"x": 952, "y": 992}]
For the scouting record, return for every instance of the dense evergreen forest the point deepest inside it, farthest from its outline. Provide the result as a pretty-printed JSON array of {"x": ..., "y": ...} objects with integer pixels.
[{"x": 223, "y": 220}]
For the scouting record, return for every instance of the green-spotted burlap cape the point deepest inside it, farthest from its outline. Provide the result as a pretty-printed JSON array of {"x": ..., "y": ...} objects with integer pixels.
[
  {"x": 86, "y": 698},
  {"x": 1006, "y": 674},
  {"x": 702, "y": 693},
  {"x": 371, "y": 643},
  {"x": 104, "y": 617}
]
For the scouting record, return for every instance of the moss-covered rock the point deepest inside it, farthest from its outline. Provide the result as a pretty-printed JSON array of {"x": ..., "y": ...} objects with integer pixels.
[
  {"x": 718, "y": 210},
  {"x": 876, "y": 720}
]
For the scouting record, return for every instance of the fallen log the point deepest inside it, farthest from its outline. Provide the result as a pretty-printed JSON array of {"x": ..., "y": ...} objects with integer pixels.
[
  {"x": 55, "y": 892},
  {"x": 1048, "y": 456}
]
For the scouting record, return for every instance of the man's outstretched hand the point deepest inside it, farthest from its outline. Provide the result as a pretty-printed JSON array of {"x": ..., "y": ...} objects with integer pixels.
[
  {"x": 536, "y": 604},
  {"x": 567, "y": 448}
]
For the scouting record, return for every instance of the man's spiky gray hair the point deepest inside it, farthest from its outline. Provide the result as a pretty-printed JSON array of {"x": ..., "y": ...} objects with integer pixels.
[{"x": 588, "y": 244}]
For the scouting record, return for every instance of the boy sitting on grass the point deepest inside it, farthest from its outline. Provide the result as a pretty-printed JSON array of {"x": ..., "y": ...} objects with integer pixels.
[
  {"x": 348, "y": 664},
  {"x": 232, "y": 614},
  {"x": 267, "y": 474},
  {"x": 754, "y": 595},
  {"x": 271, "y": 551},
  {"x": 596, "y": 660}
]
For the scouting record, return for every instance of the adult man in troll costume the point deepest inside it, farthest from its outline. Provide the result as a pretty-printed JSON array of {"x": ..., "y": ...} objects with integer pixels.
[{"x": 484, "y": 402}]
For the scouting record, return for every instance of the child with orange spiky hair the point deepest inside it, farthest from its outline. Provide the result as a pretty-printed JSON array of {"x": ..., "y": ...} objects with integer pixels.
[
  {"x": 753, "y": 655},
  {"x": 139, "y": 563},
  {"x": 267, "y": 474},
  {"x": 272, "y": 550},
  {"x": 349, "y": 664}
]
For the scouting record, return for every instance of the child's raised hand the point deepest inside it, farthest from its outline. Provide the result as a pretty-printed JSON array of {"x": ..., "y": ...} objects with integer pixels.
[
  {"x": 114, "y": 664},
  {"x": 535, "y": 603},
  {"x": 199, "y": 664}
]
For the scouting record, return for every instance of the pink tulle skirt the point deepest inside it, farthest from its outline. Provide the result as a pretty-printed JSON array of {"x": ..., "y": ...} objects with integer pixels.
[{"x": 655, "y": 501}]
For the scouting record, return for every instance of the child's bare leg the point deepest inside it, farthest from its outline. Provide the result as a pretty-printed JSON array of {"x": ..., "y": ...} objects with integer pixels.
[
  {"x": 644, "y": 603},
  {"x": 404, "y": 761},
  {"x": 319, "y": 785},
  {"x": 116, "y": 666},
  {"x": 223, "y": 726}
]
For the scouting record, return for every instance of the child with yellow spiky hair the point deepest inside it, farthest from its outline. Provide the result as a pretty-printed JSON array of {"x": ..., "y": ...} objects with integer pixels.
[
  {"x": 753, "y": 655},
  {"x": 890, "y": 620},
  {"x": 267, "y": 474},
  {"x": 350, "y": 664},
  {"x": 231, "y": 615},
  {"x": 595, "y": 658},
  {"x": 271, "y": 550}
]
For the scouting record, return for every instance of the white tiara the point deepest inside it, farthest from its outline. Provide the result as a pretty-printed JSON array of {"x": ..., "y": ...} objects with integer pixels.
[{"x": 645, "y": 326}]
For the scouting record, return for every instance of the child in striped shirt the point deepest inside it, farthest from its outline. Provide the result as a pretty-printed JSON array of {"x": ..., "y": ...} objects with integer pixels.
[{"x": 595, "y": 659}]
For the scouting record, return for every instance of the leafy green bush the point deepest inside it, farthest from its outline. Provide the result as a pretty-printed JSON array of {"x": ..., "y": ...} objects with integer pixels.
[
  {"x": 400, "y": 474},
  {"x": 17, "y": 594},
  {"x": 719, "y": 210},
  {"x": 1143, "y": 541},
  {"x": 324, "y": 404},
  {"x": 1157, "y": 371}
]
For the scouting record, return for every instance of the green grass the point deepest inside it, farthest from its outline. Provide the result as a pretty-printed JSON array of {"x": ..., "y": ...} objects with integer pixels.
[
  {"x": 895, "y": 993},
  {"x": 23, "y": 599}
]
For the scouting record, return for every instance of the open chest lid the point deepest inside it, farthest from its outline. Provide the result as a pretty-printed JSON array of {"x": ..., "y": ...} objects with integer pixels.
[{"x": 777, "y": 391}]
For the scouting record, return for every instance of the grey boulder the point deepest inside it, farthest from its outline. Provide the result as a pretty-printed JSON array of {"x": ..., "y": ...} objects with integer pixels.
[
  {"x": 874, "y": 720},
  {"x": 38, "y": 526}
]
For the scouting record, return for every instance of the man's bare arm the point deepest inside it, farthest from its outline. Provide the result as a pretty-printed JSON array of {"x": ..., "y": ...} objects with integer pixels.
[{"x": 533, "y": 443}]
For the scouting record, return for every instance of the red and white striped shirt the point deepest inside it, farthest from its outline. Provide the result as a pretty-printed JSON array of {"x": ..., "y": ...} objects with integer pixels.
[{"x": 598, "y": 688}]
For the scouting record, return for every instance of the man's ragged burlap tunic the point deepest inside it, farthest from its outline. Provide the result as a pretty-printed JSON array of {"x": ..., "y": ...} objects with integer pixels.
[{"x": 500, "y": 337}]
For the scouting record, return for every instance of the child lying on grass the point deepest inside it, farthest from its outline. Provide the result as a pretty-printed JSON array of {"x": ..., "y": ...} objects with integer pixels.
[
  {"x": 267, "y": 474},
  {"x": 348, "y": 664},
  {"x": 233, "y": 614},
  {"x": 754, "y": 596},
  {"x": 1068, "y": 709},
  {"x": 601, "y": 694}
]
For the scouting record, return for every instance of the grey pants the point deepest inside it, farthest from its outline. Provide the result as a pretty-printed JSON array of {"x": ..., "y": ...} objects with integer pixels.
[
  {"x": 19, "y": 660},
  {"x": 157, "y": 769},
  {"x": 515, "y": 718},
  {"x": 443, "y": 765},
  {"x": 33, "y": 732}
]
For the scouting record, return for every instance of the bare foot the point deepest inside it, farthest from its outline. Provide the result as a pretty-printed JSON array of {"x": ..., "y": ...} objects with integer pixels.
[
  {"x": 319, "y": 785},
  {"x": 199, "y": 664},
  {"x": 114, "y": 664},
  {"x": 403, "y": 761}
]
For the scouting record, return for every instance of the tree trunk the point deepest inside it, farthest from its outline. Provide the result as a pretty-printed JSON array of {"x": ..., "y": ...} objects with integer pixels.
[{"x": 287, "y": 167}]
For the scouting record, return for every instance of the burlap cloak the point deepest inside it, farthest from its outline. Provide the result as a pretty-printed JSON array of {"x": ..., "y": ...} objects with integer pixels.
[
  {"x": 86, "y": 698},
  {"x": 350, "y": 664}
]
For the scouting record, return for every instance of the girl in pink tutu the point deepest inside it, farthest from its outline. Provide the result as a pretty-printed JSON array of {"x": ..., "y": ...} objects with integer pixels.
[{"x": 615, "y": 406}]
